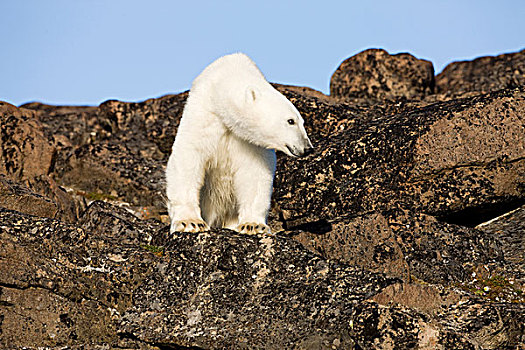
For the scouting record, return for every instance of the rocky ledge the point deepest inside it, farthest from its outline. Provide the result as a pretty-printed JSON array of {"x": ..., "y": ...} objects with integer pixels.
[{"x": 404, "y": 229}]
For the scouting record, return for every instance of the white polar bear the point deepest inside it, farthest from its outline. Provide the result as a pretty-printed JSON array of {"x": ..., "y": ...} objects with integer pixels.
[{"x": 221, "y": 168}]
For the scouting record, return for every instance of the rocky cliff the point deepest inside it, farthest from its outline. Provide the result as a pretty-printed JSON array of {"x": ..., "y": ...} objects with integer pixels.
[{"x": 404, "y": 229}]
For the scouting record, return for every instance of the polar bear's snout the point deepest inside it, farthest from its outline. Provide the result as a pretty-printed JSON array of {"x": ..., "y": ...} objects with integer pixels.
[
  {"x": 308, "y": 150},
  {"x": 301, "y": 151}
]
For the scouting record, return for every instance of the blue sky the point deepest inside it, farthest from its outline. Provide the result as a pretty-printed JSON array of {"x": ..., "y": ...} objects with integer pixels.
[{"x": 88, "y": 51}]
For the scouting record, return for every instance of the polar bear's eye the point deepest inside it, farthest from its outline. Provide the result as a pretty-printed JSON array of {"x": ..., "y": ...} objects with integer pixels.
[{"x": 291, "y": 121}]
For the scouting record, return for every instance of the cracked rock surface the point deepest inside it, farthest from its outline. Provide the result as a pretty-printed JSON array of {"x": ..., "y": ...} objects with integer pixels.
[{"x": 404, "y": 229}]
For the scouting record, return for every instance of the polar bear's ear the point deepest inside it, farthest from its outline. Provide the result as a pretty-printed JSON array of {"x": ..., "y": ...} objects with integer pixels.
[{"x": 252, "y": 94}]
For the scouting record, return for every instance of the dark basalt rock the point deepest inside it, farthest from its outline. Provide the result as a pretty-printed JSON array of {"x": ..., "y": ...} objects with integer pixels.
[
  {"x": 404, "y": 244},
  {"x": 219, "y": 289},
  {"x": 115, "y": 151},
  {"x": 83, "y": 286},
  {"x": 153, "y": 121},
  {"x": 483, "y": 74},
  {"x": 27, "y": 198},
  {"x": 18, "y": 197},
  {"x": 374, "y": 74},
  {"x": 115, "y": 170},
  {"x": 62, "y": 285},
  {"x": 439, "y": 159},
  {"x": 24, "y": 150},
  {"x": 68, "y": 126},
  {"x": 509, "y": 230}
]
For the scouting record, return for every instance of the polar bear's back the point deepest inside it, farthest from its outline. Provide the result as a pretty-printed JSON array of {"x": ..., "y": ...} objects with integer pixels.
[{"x": 234, "y": 69}]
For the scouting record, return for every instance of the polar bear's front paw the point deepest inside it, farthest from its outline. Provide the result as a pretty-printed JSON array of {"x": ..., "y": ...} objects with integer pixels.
[
  {"x": 253, "y": 228},
  {"x": 189, "y": 225}
]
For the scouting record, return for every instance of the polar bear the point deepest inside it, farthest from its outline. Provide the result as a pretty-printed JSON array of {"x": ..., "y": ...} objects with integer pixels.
[{"x": 220, "y": 172}]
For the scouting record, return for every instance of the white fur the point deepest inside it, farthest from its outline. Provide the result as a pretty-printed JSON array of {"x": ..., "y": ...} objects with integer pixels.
[{"x": 222, "y": 163}]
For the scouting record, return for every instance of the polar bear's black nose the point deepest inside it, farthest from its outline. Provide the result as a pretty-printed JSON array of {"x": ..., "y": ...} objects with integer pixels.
[{"x": 308, "y": 150}]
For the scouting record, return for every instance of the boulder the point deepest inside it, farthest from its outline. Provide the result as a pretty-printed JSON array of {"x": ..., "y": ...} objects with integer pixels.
[
  {"x": 460, "y": 160},
  {"x": 147, "y": 126},
  {"x": 70, "y": 206},
  {"x": 16, "y": 196},
  {"x": 509, "y": 230},
  {"x": 68, "y": 126},
  {"x": 374, "y": 74},
  {"x": 85, "y": 286},
  {"x": 116, "y": 151},
  {"x": 482, "y": 75},
  {"x": 61, "y": 285},
  {"x": 113, "y": 170},
  {"x": 25, "y": 151},
  {"x": 407, "y": 245},
  {"x": 153, "y": 121}
]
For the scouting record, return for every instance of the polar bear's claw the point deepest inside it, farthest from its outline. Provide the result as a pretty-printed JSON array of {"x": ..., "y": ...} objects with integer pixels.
[
  {"x": 190, "y": 225},
  {"x": 253, "y": 228}
]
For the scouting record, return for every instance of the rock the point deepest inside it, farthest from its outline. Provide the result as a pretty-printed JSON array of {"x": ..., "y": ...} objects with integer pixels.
[
  {"x": 404, "y": 244},
  {"x": 69, "y": 208},
  {"x": 374, "y": 74},
  {"x": 461, "y": 159},
  {"x": 117, "y": 151},
  {"x": 429, "y": 299},
  {"x": 509, "y": 230},
  {"x": 104, "y": 220},
  {"x": 113, "y": 170},
  {"x": 365, "y": 240},
  {"x": 68, "y": 126},
  {"x": 153, "y": 121},
  {"x": 61, "y": 284},
  {"x": 492, "y": 326},
  {"x": 305, "y": 91},
  {"x": 25, "y": 152},
  {"x": 17, "y": 197},
  {"x": 482, "y": 75},
  {"x": 223, "y": 290},
  {"x": 147, "y": 126}
]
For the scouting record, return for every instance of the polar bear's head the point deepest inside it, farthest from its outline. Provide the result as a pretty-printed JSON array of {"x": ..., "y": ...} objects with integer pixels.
[{"x": 272, "y": 121}]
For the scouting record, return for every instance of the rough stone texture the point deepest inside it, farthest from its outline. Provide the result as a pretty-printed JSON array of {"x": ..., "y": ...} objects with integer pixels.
[
  {"x": 384, "y": 234},
  {"x": 114, "y": 169},
  {"x": 117, "y": 151},
  {"x": 509, "y": 230},
  {"x": 226, "y": 287},
  {"x": 68, "y": 126},
  {"x": 374, "y": 74},
  {"x": 18, "y": 197},
  {"x": 364, "y": 240},
  {"x": 24, "y": 150},
  {"x": 104, "y": 220},
  {"x": 429, "y": 299},
  {"x": 61, "y": 285},
  {"x": 156, "y": 120},
  {"x": 404, "y": 244},
  {"x": 69, "y": 208},
  {"x": 84, "y": 286},
  {"x": 483, "y": 74},
  {"x": 149, "y": 126},
  {"x": 444, "y": 159}
]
